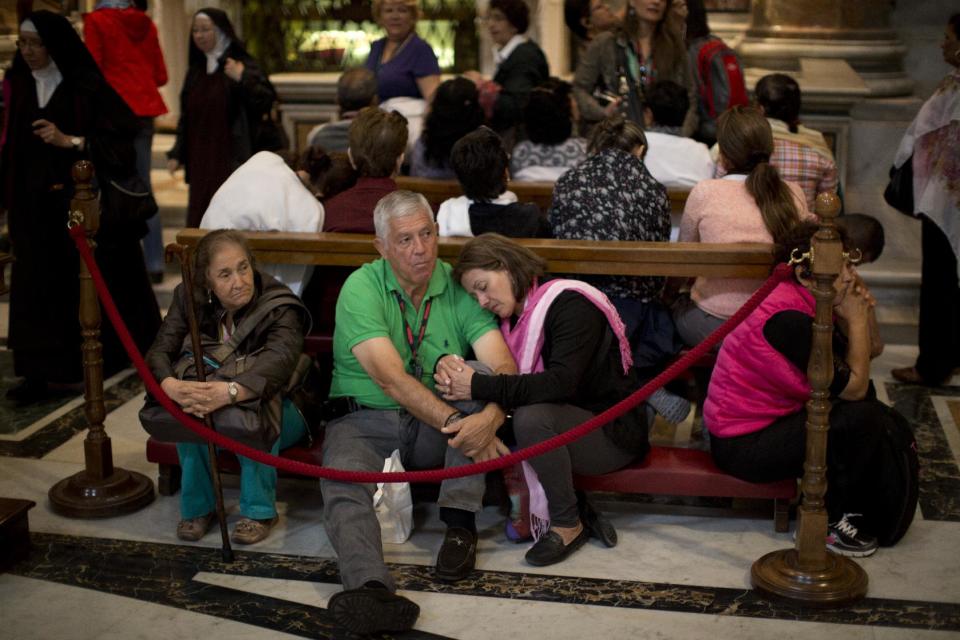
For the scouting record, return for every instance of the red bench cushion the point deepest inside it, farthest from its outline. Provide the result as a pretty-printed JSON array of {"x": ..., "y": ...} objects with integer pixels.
[{"x": 682, "y": 472}]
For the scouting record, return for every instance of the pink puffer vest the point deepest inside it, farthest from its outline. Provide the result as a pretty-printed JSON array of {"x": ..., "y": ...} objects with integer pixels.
[{"x": 753, "y": 384}]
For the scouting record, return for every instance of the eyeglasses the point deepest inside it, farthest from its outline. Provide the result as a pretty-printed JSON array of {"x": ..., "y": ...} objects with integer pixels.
[{"x": 30, "y": 44}]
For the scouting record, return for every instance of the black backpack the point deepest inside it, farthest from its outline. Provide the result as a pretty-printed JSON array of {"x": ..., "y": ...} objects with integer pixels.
[{"x": 894, "y": 500}]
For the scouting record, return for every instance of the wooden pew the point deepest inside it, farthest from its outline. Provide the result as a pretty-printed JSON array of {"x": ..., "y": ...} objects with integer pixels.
[
  {"x": 667, "y": 470},
  {"x": 540, "y": 193}
]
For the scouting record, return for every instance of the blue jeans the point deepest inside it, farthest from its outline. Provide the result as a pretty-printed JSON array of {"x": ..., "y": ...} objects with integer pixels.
[
  {"x": 650, "y": 330},
  {"x": 153, "y": 241},
  {"x": 258, "y": 482}
]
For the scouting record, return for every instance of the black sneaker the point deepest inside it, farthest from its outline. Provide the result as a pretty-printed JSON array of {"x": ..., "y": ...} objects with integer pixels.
[
  {"x": 364, "y": 611},
  {"x": 845, "y": 539},
  {"x": 457, "y": 555}
]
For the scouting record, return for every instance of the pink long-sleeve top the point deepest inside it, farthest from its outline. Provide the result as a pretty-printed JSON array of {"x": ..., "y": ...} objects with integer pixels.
[{"x": 724, "y": 211}]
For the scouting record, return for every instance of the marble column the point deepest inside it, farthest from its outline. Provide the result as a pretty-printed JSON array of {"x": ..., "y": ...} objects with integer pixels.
[{"x": 860, "y": 33}]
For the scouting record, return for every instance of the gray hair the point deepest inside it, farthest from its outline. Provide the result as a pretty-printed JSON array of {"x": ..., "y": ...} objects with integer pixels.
[
  {"x": 398, "y": 204},
  {"x": 356, "y": 89}
]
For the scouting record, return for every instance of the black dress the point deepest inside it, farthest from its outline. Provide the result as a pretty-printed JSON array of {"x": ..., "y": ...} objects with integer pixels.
[
  {"x": 219, "y": 124},
  {"x": 36, "y": 187}
]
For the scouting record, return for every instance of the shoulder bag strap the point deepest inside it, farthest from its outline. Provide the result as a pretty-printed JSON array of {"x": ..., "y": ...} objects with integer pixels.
[{"x": 265, "y": 304}]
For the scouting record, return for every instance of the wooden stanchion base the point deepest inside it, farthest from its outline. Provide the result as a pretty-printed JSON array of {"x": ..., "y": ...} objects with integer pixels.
[
  {"x": 777, "y": 575},
  {"x": 83, "y": 496}
]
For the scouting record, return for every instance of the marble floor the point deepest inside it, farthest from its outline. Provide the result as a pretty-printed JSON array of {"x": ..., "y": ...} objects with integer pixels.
[{"x": 677, "y": 573}]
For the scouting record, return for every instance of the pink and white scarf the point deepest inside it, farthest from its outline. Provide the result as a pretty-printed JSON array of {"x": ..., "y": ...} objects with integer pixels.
[
  {"x": 525, "y": 341},
  {"x": 932, "y": 139}
]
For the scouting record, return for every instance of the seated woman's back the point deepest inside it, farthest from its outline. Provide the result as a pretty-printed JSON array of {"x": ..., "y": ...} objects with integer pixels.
[
  {"x": 612, "y": 196},
  {"x": 724, "y": 211},
  {"x": 750, "y": 204},
  {"x": 551, "y": 149},
  {"x": 455, "y": 112}
]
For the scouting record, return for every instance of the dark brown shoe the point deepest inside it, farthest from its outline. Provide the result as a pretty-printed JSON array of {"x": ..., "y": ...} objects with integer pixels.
[
  {"x": 364, "y": 611},
  {"x": 910, "y": 375}
]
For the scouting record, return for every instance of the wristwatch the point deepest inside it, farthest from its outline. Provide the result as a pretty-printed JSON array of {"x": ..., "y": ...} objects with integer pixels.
[
  {"x": 77, "y": 142},
  {"x": 234, "y": 391}
]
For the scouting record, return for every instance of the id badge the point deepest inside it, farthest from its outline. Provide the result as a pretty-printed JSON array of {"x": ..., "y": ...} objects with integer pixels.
[{"x": 417, "y": 370}]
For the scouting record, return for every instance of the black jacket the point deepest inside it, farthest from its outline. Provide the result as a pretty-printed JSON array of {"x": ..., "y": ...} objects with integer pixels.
[
  {"x": 582, "y": 366},
  {"x": 518, "y": 75},
  {"x": 514, "y": 220}
]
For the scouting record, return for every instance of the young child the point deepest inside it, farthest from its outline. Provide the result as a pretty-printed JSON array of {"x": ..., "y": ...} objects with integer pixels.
[{"x": 481, "y": 164}]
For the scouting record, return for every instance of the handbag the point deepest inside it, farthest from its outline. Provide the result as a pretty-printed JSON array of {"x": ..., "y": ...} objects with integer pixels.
[
  {"x": 255, "y": 422},
  {"x": 899, "y": 191},
  {"x": 125, "y": 206}
]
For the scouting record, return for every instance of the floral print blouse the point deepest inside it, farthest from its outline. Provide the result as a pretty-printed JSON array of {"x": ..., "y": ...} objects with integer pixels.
[{"x": 612, "y": 196}]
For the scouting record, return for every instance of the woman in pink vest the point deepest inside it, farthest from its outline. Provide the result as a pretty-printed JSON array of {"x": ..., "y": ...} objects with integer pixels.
[
  {"x": 574, "y": 362},
  {"x": 755, "y": 406}
]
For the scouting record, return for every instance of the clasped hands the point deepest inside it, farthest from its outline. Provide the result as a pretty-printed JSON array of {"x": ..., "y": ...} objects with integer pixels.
[
  {"x": 476, "y": 434},
  {"x": 197, "y": 398}
]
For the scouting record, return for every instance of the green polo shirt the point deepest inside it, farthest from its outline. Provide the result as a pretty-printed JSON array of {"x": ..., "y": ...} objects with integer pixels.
[{"x": 368, "y": 308}]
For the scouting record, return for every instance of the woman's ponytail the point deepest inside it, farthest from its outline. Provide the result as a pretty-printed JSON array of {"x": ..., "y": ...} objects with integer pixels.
[
  {"x": 746, "y": 142},
  {"x": 774, "y": 199}
]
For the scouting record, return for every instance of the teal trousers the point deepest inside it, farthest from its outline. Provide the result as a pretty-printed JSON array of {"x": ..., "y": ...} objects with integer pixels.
[{"x": 258, "y": 482}]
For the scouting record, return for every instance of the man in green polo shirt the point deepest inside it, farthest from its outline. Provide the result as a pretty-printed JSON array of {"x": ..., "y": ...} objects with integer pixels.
[{"x": 396, "y": 317}]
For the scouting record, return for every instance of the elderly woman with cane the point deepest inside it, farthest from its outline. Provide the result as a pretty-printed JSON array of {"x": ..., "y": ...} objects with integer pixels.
[{"x": 252, "y": 326}]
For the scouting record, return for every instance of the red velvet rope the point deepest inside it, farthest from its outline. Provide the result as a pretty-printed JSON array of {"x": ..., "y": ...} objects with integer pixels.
[{"x": 780, "y": 273}]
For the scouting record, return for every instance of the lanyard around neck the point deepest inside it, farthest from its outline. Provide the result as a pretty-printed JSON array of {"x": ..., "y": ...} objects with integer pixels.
[{"x": 414, "y": 343}]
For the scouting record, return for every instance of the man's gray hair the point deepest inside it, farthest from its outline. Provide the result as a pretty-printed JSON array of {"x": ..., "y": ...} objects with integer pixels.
[
  {"x": 398, "y": 204},
  {"x": 356, "y": 89}
]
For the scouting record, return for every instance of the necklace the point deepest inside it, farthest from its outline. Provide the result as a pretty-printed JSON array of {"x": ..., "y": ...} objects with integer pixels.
[{"x": 396, "y": 51}]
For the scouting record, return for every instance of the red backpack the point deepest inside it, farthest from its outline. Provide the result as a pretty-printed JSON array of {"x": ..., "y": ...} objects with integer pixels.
[{"x": 716, "y": 54}]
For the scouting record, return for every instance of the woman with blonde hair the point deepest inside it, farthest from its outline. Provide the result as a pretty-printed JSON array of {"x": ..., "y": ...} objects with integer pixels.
[
  {"x": 752, "y": 203},
  {"x": 404, "y": 64}
]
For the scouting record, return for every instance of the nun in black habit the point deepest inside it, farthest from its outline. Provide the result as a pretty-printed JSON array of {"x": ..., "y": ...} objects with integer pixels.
[
  {"x": 223, "y": 102},
  {"x": 60, "y": 109}
]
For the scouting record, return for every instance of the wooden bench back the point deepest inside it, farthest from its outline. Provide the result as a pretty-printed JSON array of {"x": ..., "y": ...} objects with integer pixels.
[
  {"x": 581, "y": 257},
  {"x": 540, "y": 193}
]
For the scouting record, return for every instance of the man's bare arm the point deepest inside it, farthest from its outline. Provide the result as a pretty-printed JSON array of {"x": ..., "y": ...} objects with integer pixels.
[{"x": 379, "y": 358}]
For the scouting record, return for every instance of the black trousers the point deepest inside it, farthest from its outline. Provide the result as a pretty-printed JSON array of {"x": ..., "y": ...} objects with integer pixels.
[
  {"x": 777, "y": 452},
  {"x": 939, "y": 331}
]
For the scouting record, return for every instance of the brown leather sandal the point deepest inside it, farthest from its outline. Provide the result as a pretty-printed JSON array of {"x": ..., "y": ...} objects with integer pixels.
[
  {"x": 249, "y": 531},
  {"x": 195, "y": 528}
]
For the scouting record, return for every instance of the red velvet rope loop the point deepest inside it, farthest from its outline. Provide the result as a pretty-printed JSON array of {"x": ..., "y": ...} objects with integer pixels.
[{"x": 780, "y": 273}]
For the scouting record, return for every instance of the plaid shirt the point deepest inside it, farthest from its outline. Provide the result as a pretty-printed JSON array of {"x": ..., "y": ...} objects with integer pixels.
[{"x": 812, "y": 171}]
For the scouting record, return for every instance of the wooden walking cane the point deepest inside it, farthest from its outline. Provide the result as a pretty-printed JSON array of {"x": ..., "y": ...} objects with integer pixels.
[{"x": 186, "y": 271}]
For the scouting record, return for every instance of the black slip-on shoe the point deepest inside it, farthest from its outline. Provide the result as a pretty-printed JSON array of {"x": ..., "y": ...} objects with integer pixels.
[
  {"x": 364, "y": 611},
  {"x": 550, "y": 549},
  {"x": 458, "y": 554},
  {"x": 595, "y": 522}
]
